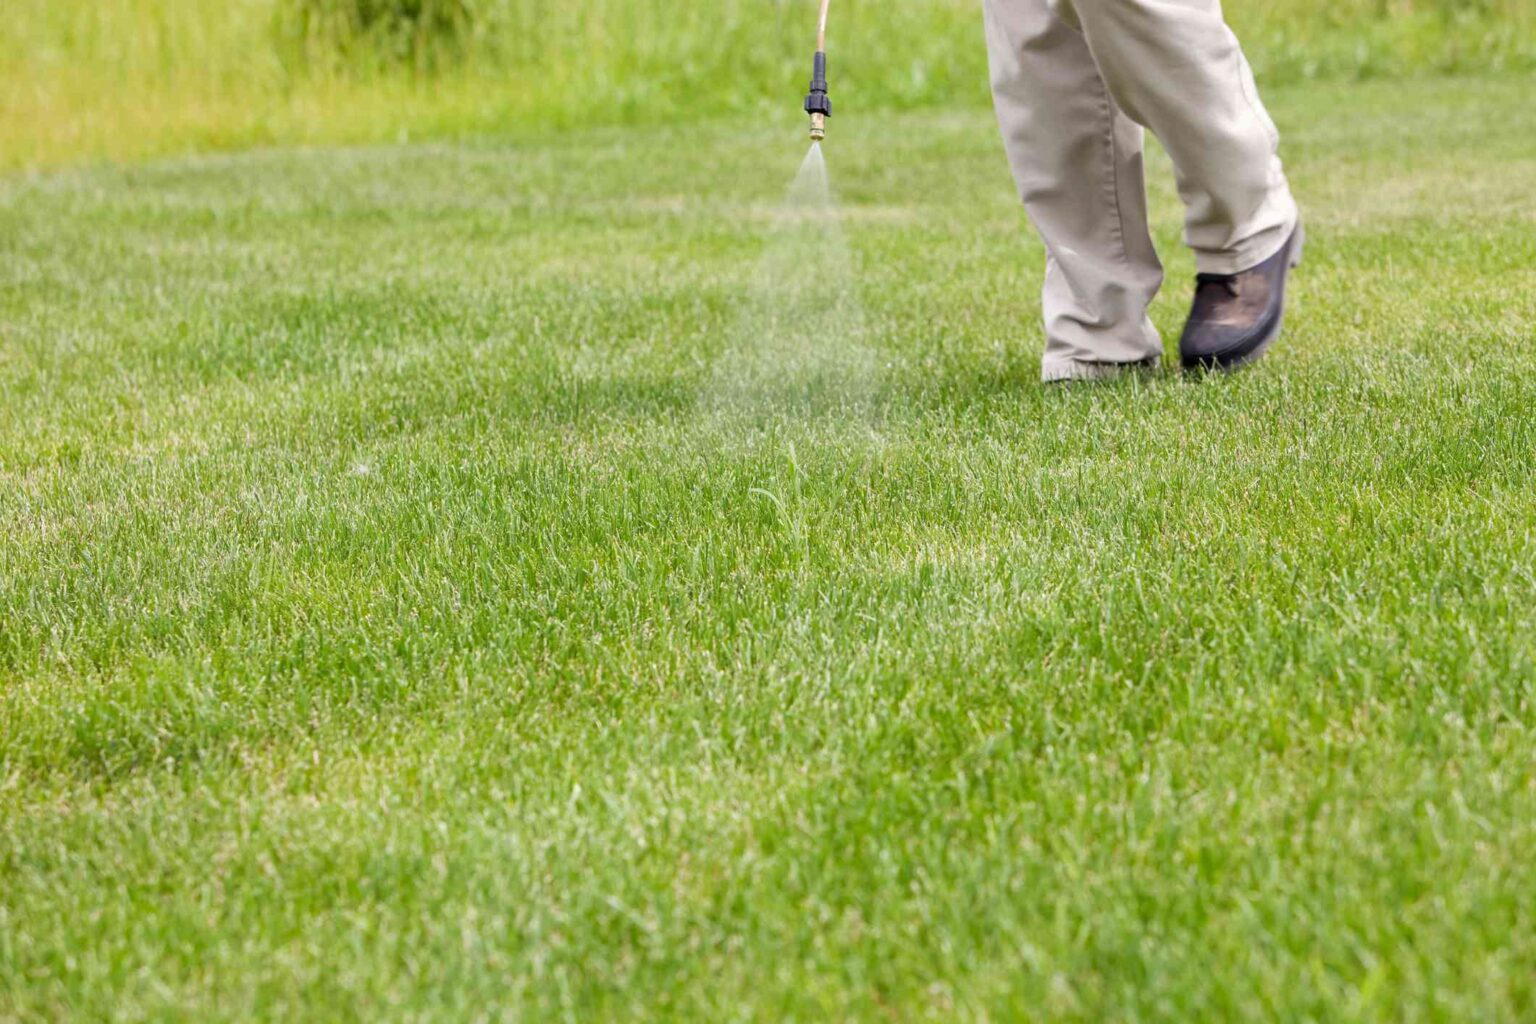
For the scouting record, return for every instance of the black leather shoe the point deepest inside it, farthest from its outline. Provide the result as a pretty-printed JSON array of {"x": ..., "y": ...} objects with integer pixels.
[{"x": 1237, "y": 316}]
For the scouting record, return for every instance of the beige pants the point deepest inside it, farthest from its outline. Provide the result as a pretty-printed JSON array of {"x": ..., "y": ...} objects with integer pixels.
[{"x": 1074, "y": 81}]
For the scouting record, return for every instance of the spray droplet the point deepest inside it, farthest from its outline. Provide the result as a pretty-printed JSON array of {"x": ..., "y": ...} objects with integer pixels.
[
  {"x": 800, "y": 335},
  {"x": 811, "y": 189}
]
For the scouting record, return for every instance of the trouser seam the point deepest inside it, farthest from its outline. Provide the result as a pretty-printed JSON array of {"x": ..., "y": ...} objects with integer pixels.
[
  {"x": 1254, "y": 107},
  {"x": 1108, "y": 104}
]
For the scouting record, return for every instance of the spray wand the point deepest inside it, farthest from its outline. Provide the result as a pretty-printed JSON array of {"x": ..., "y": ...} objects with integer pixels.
[{"x": 817, "y": 104}]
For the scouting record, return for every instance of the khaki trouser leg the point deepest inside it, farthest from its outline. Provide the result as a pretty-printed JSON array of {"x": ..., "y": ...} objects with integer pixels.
[
  {"x": 1070, "y": 82},
  {"x": 1077, "y": 161}
]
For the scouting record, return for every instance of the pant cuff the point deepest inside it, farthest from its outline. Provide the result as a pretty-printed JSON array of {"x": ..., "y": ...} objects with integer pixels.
[
  {"x": 1052, "y": 370},
  {"x": 1250, "y": 256}
]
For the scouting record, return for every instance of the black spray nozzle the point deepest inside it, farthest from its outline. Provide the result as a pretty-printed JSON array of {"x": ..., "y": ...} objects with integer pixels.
[{"x": 818, "y": 104}]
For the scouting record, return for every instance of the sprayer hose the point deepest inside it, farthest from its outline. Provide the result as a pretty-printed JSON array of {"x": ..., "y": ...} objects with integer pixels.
[{"x": 821, "y": 27}]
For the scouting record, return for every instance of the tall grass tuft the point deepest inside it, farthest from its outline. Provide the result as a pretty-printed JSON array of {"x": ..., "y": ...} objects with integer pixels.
[
  {"x": 415, "y": 36},
  {"x": 91, "y": 79}
]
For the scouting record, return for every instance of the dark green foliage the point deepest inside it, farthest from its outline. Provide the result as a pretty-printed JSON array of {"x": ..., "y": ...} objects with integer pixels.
[{"x": 420, "y": 35}]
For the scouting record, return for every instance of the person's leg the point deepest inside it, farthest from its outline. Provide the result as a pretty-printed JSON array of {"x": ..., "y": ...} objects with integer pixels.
[
  {"x": 1175, "y": 67},
  {"x": 1077, "y": 161}
]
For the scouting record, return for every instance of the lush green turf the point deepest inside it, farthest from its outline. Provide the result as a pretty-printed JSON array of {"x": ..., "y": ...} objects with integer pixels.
[{"x": 429, "y": 591}]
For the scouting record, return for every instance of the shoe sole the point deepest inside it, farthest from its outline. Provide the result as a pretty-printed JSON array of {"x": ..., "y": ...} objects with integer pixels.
[{"x": 1223, "y": 364}]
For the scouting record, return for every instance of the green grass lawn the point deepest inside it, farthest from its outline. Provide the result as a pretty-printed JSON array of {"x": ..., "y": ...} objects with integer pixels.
[{"x": 490, "y": 582}]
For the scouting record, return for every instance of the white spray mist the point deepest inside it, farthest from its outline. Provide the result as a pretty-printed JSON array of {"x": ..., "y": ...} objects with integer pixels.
[{"x": 799, "y": 342}]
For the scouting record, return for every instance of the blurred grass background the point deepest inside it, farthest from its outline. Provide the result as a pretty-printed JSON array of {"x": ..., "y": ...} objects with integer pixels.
[{"x": 87, "y": 80}]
